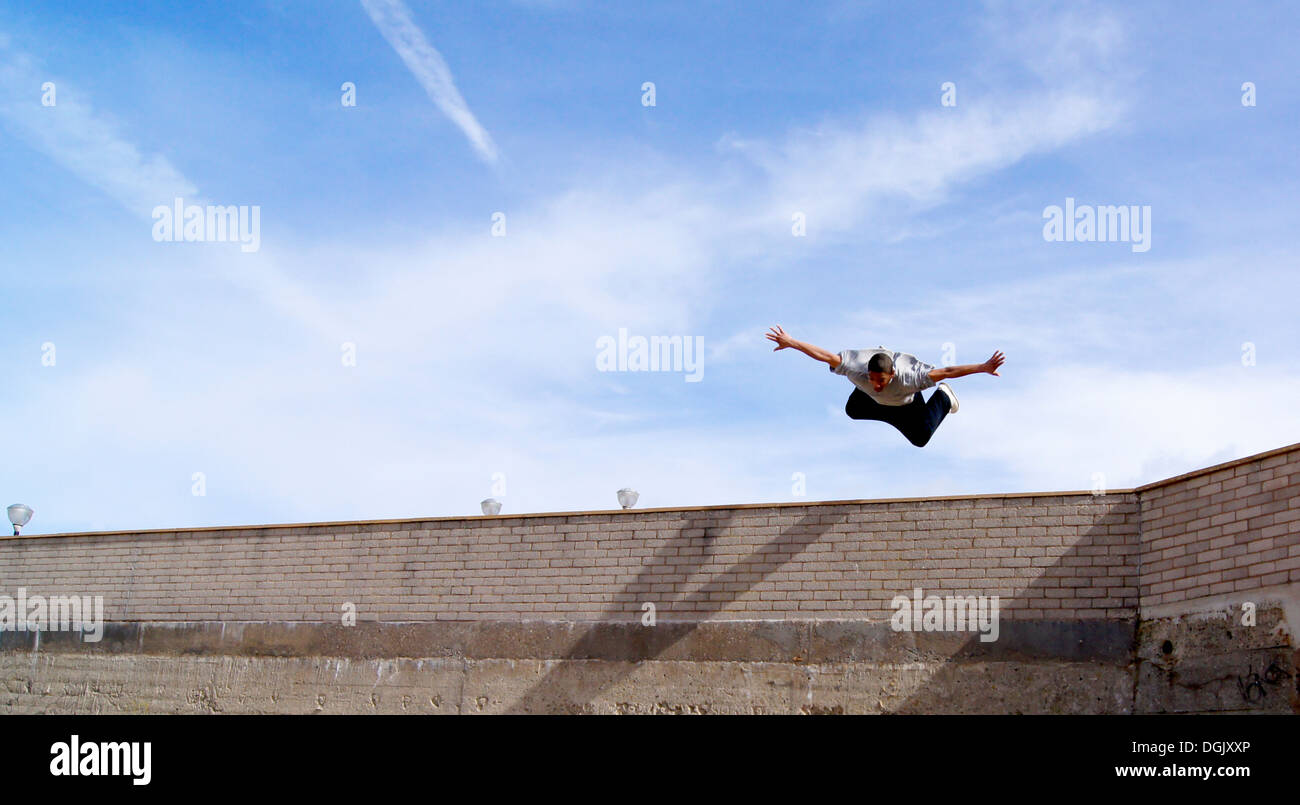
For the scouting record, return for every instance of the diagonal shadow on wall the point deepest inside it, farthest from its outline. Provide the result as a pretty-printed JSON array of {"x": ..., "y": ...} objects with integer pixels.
[
  {"x": 1023, "y": 670},
  {"x": 570, "y": 687},
  {"x": 1045, "y": 663}
]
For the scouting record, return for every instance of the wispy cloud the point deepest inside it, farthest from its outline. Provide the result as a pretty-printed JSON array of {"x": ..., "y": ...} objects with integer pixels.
[
  {"x": 393, "y": 20},
  {"x": 1083, "y": 41},
  {"x": 82, "y": 140},
  {"x": 882, "y": 168},
  {"x": 837, "y": 174}
]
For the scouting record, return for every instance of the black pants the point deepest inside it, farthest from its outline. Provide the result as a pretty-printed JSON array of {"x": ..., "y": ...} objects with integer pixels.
[{"x": 917, "y": 420}]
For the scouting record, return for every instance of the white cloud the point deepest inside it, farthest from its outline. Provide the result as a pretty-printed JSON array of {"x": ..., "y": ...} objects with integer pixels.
[
  {"x": 1060, "y": 44},
  {"x": 840, "y": 175},
  {"x": 1133, "y": 426},
  {"x": 83, "y": 141},
  {"x": 393, "y": 20}
]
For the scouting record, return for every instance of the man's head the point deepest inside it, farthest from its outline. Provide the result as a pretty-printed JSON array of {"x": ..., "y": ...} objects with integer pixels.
[{"x": 880, "y": 370}]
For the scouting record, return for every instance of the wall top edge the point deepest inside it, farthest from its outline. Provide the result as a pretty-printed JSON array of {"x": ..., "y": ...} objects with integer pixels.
[
  {"x": 1109, "y": 497},
  {"x": 671, "y": 509}
]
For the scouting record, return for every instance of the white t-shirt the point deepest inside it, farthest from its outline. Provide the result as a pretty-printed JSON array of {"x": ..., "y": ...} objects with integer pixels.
[{"x": 910, "y": 375}]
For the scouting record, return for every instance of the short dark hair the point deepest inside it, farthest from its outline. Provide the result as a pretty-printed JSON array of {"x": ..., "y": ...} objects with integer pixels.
[{"x": 881, "y": 362}]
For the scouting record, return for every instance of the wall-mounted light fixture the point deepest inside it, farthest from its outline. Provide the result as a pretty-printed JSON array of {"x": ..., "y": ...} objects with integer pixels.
[{"x": 19, "y": 515}]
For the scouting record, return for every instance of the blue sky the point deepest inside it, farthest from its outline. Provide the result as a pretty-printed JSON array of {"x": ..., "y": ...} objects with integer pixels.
[{"x": 475, "y": 354}]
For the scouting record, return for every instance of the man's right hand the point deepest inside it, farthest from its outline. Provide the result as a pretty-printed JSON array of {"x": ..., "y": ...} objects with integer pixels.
[{"x": 783, "y": 341}]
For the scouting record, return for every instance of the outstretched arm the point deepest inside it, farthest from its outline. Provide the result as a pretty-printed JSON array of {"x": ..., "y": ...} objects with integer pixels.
[
  {"x": 988, "y": 367},
  {"x": 783, "y": 341}
]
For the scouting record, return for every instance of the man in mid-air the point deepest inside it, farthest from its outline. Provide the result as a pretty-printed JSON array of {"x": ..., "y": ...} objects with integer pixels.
[{"x": 889, "y": 384}]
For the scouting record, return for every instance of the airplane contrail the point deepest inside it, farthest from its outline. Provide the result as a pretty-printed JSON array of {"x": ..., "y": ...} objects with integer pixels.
[{"x": 393, "y": 20}]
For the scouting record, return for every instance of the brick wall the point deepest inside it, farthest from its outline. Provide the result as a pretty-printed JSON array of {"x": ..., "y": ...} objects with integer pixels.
[
  {"x": 1222, "y": 530},
  {"x": 1062, "y": 556}
]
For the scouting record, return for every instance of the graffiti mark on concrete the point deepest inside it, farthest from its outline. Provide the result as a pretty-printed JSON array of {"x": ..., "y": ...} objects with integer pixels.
[{"x": 1252, "y": 684}]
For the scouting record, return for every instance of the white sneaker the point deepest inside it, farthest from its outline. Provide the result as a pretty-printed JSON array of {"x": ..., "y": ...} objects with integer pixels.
[{"x": 952, "y": 398}]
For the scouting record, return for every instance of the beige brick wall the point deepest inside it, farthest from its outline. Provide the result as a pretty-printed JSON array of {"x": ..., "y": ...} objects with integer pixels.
[
  {"x": 1048, "y": 557},
  {"x": 1223, "y": 531},
  {"x": 1064, "y": 556}
]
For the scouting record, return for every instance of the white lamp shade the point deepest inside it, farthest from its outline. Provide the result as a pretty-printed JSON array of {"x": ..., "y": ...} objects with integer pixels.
[
  {"x": 627, "y": 498},
  {"x": 491, "y": 506},
  {"x": 20, "y": 514}
]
